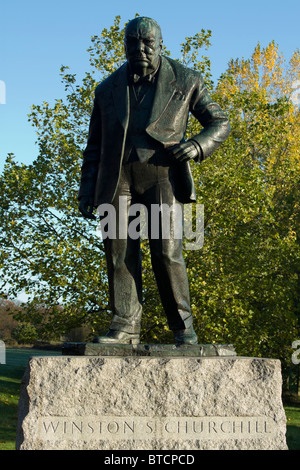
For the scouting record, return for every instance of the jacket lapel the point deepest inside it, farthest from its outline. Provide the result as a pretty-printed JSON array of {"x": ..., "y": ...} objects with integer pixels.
[
  {"x": 121, "y": 95},
  {"x": 164, "y": 90}
]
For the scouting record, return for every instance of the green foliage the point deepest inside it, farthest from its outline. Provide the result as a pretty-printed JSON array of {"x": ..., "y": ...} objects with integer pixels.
[
  {"x": 190, "y": 55},
  {"x": 24, "y": 333},
  {"x": 246, "y": 279},
  {"x": 244, "y": 282}
]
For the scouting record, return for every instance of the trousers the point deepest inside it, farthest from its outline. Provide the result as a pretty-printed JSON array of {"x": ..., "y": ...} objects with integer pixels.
[{"x": 150, "y": 185}]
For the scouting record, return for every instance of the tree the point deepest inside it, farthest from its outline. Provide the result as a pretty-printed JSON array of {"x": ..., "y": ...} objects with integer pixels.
[
  {"x": 24, "y": 333},
  {"x": 7, "y": 322},
  {"x": 244, "y": 282},
  {"x": 248, "y": 271}
]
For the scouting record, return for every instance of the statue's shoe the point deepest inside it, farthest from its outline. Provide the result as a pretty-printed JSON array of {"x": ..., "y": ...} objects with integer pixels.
[
  {"x": 118, "y": 337},
  {"x": 187, "y": 336}
]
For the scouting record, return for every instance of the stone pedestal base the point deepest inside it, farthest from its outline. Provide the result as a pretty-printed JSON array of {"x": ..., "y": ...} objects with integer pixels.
[{"x": 151, "y": 403}]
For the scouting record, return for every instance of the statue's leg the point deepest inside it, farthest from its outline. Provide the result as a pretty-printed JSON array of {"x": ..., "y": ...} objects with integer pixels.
[
  {"x": 124, "y": 272},
  {"x": 165, "y": 238}
]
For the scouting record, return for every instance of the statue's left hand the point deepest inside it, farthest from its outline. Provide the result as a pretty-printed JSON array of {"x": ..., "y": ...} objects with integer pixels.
[{"x": 184, "y": 151}]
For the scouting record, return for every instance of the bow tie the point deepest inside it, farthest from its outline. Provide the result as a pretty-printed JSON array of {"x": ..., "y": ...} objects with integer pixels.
[{"x": 141, "y": 80}]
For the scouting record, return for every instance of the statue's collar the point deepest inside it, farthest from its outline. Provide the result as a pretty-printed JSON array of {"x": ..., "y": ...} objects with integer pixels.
[{"x": 150, "y": 78}]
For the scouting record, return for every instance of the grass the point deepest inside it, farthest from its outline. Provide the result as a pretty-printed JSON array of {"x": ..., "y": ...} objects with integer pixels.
[
  {"x": 293, "y": 425},
  {"x": 11, "y": 375}
]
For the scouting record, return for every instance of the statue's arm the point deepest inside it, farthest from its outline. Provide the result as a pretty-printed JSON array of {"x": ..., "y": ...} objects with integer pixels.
[
  {"x": 216, "y": 127},
  {"x": 89, "y": 168}
]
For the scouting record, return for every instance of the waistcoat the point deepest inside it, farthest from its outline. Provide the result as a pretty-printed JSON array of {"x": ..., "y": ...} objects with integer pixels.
[{"x": 139, "y": 145}]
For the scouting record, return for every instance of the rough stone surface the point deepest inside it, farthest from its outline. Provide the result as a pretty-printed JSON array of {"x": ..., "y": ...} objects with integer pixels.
[{"x": 151, "y": 403}]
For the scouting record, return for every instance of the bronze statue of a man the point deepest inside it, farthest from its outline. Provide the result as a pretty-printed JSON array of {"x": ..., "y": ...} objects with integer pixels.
[{"x": 136, "y": 150}]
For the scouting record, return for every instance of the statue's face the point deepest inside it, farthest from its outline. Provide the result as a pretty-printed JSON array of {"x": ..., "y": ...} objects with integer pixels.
[{"x": 142, "y": 46}]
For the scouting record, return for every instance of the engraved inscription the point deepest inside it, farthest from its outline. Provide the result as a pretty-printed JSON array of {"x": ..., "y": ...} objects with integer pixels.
[{"x": 135, "y": 427}]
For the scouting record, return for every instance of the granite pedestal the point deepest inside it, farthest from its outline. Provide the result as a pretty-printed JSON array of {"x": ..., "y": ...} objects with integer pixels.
[{"x": 151, "y": 402}]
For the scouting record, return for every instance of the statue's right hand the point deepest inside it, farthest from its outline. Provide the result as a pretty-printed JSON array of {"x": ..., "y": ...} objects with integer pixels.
[{"x": 86, "y": 207}]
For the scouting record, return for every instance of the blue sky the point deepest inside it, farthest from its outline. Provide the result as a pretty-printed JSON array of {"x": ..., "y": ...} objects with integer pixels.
[{"x": 37, "y": 37}]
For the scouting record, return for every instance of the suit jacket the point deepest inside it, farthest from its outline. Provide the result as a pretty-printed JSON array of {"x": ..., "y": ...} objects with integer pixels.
[{"x": 179, "y": 91}]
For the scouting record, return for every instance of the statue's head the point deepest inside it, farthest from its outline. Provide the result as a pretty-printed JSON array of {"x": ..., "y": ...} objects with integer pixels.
[{"x": 143, "y": 44}]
